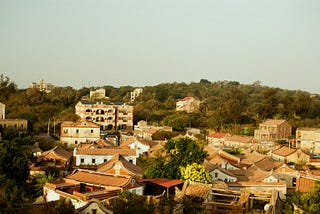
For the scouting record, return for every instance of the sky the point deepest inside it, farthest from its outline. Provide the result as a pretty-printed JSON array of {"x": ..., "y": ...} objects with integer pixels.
[{"x": 84, "y": 43}]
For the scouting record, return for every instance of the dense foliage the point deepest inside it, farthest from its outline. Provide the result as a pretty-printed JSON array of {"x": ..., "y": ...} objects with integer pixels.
[
  {"x": 14, "y": 173},
  {"x": 196, "y": 172},
  {"x": 309, "y": 202},
  {"x": 131, "y": 203},
  {"x": 224, "y": 105},
  {"x": 178, "y": 153}
]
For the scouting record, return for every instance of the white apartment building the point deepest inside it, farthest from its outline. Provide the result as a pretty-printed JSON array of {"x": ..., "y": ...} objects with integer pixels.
[
  {"x": 74, "y": 133},
  {"x": 94, "y": 155},
  {"x": 109, "y": 115},
  {"x": 41, "y": 85},
  {"x": 2, "y": 111},
  {"x": 308, "y": 139},
  {"x": 98, "y": 94},
  {"x": 135, "y": 93},
  {"x": 188, "y": 104}
]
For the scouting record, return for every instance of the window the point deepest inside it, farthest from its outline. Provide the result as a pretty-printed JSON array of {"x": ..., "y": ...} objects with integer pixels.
[
  {"x": 93, "y": 160},
  {"x": 77, "y": 131},
  {"x": 82, "y": 160},
  {"x": 216, "y": 175},
  {"x": 91, "y": 130},
  {"x": 94, "y": 211},
  {"x": 105, "y": 160},
  {"x": 76, "y": 142}
]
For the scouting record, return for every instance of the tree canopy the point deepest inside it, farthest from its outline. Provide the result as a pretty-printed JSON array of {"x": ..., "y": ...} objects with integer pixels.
[
  {"x": 224, "y": 104},
  {"x": 178, "y": 153}
]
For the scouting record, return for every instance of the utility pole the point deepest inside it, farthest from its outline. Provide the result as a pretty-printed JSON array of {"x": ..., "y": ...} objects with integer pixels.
[{"x": 49, "y": 127}]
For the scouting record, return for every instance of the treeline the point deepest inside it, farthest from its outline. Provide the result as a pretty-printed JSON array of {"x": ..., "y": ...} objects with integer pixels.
[{"x": 225, "y": 105}]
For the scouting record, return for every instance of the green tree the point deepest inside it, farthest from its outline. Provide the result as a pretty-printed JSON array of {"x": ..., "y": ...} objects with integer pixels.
[
  {"x": 270, "y": 101},
  {"x": 132, "y": 203},
  {"x": 309, "y": 202},
  {"x": 64, "y": 206},
  {"x": 14, "y": 161},
  {"x": 6, "y": 88},
  {"x": 235, "y": 103},
  {"x": 179, "y": 153}
]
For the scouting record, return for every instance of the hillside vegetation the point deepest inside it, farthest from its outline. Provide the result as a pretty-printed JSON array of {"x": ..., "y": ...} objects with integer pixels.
[{"x": 225, "y": 105}]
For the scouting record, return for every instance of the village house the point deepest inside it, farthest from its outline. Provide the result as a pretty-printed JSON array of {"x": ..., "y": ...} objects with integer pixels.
[
  {"x": 306, "y": 183},
  {"x": 55, "y": 160},
  {"x": 251, "y": 158},
  {"x": 110, "y": 116},
  {"x": 240, "y": 141},
  {"x": 290, "y": 155},
  {"x": 218, "y": 173},
  {"x": 188, "y": 104},
  {"x": 18, "y": 124},
  {"x": 224, "y": 160},
  {"x": 289, "y": 174},
  {"x": 118, "y": 165},
  {"x": 145, "y": 131},
  {"x": 308, "y": 139},
  {"x": 230, "y": 201},
  {"x": 93, "y": 155},
  {"x": 217, "y": 139},
  {"x": 140, "y": 145},
  {"x": 272, "y": 130},
  {"x": 74, "y": 133},
  {"x": 84, "y": 185},
  {"x": 94, "y": 206},
  {"x": 256, "y": 179}
]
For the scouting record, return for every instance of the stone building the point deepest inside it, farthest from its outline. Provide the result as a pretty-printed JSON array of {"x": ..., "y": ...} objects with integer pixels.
[
  {"x": 109, "y": 115},
  {"x": 272, "y": 130}
]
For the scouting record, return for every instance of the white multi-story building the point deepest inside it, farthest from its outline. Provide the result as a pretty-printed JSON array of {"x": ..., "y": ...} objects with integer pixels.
[
  {"x": 98, "y": 94},
  {"x": 74, "y": 133},
  {"x": 95, "y": 155},
  {"x": 135, "y": 93},
  {"x": 110, "y": 116},
  {"x": 188, "y": 104},
  {"x": 309, "y": 139},
  {"x": 41, "y": 85},
  {"x": 2, "y": 111}
]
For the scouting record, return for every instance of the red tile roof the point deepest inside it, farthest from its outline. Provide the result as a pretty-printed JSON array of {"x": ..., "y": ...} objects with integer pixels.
[
  {"x": 273, "y": 122},
  {"x": 284, "y": 151},
  {"x": 92, "y": 177},
  {"x": 217, "y": 135},
  {"x": 306, "y": 183},
  {"x": 105, "y": 151},
  {"x": 240, "y": 139},
  {"x": 161, "y": 181},
  {"x": 229, "y": 157},
  {"x": 80, "y": 124},
  {"x": 134, "y": 169},
  {"x": 255, "y": 156},
  {"x": 267, "y": 164},
  {"x": 186, "y": 98},
  {"x": 59, "y": 152}
]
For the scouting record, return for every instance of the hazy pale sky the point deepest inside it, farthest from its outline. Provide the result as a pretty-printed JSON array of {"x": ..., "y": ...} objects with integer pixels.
[{"x": 146, "y": 42}]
